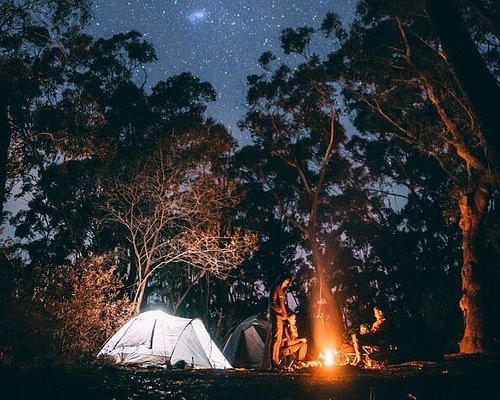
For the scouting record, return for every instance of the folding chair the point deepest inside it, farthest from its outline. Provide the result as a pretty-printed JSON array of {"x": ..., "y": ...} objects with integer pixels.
[{"x": 287, "y": 357}]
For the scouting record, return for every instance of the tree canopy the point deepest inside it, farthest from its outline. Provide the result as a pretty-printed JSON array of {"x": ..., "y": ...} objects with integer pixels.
[{"x": 371, "y": 177}]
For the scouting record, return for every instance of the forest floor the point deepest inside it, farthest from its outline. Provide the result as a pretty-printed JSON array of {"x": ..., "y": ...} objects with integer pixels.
[{"x": 455, "y": 377}]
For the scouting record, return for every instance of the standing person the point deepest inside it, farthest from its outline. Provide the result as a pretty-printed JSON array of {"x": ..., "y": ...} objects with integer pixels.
[{"x": 279, "y": 315}]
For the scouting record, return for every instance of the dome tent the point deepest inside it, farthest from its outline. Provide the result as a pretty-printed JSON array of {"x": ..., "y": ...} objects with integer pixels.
[
  {"x": 246, "y": 346},
  {"x": 155, "y": 338}
]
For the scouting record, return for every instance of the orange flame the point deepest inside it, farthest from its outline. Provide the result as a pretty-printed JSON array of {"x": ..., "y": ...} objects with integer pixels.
[
  {"x": 326, "y": 324},
  {"x": 328, "y": 357}
]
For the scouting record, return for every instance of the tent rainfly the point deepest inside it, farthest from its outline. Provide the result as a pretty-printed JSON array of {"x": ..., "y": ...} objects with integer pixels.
[
  {"x": 246, "y": 346},
  {"x": 155, "y": 338}
]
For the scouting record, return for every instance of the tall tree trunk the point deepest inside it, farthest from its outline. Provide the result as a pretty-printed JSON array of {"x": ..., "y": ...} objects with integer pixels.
[
  {"x": 5, "y": 138},
  {"x": 139, "y": 297},
  {"x": 474, "y": 77},
  {"x": 473, "y": 207},
  {"x": 328, "y": 322}
]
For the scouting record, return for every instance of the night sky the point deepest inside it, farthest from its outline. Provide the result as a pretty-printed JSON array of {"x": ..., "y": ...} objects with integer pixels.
[{"x": 218, "y": 41}]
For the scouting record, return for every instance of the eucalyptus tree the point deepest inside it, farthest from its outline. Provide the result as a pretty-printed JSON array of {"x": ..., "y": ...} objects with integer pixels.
[
  {"x": 69, "y": 140},
  {"x": 278, "y": 245},
  {"x": 173, "y": 207},
  {"x": 401, "y": 87},
  {"x": 65, "y": 94},
  {"x": 37, "y": 41},
  {"x": 294, "y": 122},
  {"x": 470, "y": 35}
]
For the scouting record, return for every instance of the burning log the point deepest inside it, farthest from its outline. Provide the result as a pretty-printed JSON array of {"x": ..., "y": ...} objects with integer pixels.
[{"x": 332, "y": 356}]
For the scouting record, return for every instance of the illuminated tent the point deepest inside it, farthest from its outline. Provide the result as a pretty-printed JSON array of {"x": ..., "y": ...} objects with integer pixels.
[
  {"x": 155, "y": 338},
  {"x": 246, "y": 346}
]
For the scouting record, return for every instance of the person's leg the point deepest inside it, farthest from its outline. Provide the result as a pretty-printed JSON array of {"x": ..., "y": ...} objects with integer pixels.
[
  {"x": 273, "y": 339},
  {"x": 302, "y": 351},
  {"x": 277, "y": 338},
  {"x": 357, "y": 350}
]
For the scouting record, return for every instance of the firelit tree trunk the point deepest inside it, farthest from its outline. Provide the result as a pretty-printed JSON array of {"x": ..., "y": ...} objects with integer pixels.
[
  {"x": 329, "y": 326},
  {"x": 473, "y": 208}
]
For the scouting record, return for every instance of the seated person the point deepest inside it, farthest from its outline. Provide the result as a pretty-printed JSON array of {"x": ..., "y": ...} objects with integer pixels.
[
  {"x": 373, "y": 337},
  {"x": 292, "y": 343}
]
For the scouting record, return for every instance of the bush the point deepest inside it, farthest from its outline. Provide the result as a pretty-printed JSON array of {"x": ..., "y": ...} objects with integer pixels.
[{"x": 63, "y": 316}]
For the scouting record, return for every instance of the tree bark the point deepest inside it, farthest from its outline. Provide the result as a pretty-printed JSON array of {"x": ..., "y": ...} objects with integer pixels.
[
  {"x": 473, "y": 208},
  {"x": 328, "y": 321},
  {"x": 5, "y": 138},
  {"x": 476, "y": 80},
  {"x": 139, "y": 297}
]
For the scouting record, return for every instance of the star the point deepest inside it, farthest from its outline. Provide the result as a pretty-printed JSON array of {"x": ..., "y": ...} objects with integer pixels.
[{"x": 218, "y": 41}]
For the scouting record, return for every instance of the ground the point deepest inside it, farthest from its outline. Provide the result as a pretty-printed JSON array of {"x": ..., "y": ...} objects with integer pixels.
[{"x": 456, "y": 377}]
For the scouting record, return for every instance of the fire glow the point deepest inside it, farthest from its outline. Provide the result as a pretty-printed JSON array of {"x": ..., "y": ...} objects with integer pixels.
[
  {"x": 326, "y": 327},
  {"x": 328, "y": 357}
]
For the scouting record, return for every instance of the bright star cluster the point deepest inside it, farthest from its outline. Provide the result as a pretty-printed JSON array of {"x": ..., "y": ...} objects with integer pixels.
[
  {"x": 218, "y": 41},
  {"x": 198, "y": 16}
]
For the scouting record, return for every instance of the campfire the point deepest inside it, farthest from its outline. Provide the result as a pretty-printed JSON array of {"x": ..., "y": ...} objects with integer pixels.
[
  {"x": 331, "y": 356},
  {"x": 327, "y": 357}
]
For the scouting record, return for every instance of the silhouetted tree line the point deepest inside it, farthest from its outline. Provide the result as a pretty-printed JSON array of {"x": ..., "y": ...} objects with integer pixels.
[{"x": 371, "y": 177}]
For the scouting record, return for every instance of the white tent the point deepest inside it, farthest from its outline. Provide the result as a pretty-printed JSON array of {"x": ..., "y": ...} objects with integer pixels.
[{"x": 157, "y": 338}]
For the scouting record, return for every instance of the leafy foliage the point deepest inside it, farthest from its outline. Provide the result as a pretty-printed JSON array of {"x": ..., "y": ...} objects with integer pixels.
[
  {"x": 400, "y": 87},
  {"x": 60, "y": 316},
  {"x": 173, "y": 210},
  {"x": 395, "y": 211}
]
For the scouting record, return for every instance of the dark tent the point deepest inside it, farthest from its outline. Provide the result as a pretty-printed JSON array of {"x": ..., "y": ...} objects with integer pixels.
[{"x": 246, "y": 345}]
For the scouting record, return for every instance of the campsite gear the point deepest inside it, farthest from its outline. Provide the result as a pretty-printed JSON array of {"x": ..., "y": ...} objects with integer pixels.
[
  {"x": 246, "y": 346},
  {"x": 294, "y": 349},
  {"x": 155, "y": 338}
]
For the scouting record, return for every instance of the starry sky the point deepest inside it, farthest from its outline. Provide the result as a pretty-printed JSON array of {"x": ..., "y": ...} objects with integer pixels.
[{"x": 218, "y": 41}]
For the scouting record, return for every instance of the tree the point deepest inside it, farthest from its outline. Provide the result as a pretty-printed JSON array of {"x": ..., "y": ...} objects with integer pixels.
[
  {"x": 398, "y": 84},
  {"x": 408, "y": 251},
  {"x": 85, "y": 305},
  {"x": 477, "y": 81},
  {"x": 173, "y": 212},
  {"x": 70, "y": 139},
  {"x": 36, "y": 42},
  {"x": 59, "y": 316},
  {"x": 293, "y": 120}
]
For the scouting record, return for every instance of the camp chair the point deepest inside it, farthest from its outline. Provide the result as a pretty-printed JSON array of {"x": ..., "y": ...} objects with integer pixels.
[
  {"x": 290, "y": 352},
  {"x": 287, "y": 357}
]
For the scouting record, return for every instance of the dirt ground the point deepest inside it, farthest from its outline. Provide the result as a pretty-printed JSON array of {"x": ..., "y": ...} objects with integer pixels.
[{"x": 456, "y": 377}]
